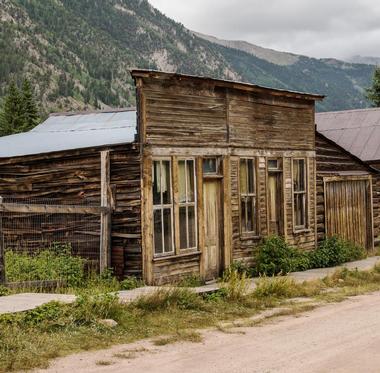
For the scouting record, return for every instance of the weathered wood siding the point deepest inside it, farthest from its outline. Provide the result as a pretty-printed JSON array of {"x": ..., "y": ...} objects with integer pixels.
[
  {"x": 334, "y": 161},
  {"x": 73, "y": 177},
  {"x": 190, "y": 118}
]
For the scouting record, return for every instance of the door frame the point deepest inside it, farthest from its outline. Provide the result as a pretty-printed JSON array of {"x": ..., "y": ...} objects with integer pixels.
[{"x": 368, "y": 178}]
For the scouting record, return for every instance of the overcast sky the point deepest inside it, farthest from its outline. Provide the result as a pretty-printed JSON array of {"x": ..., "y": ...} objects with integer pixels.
[{"x": 318, "y": 28}]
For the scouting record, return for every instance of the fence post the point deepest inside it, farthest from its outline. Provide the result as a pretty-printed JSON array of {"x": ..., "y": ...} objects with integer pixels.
[
  {"x": 105, "y": 218},
  {"x": 2, "y": 260}
]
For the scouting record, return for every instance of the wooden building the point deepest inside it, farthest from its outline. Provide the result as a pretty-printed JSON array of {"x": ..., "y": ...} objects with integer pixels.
[
  {"x": 210, "y": 168},
  {"x": 348, "y": 175}
]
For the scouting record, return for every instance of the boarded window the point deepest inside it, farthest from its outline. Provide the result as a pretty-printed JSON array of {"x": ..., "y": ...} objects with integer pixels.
[
  {"x": 187, "y": 204},
  {"x": 162, "y": 207},
  {"x": 248, "y": 198},
  {"x": 300, "y": 193}
]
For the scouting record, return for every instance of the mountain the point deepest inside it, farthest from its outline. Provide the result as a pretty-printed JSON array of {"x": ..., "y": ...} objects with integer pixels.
[
  {"x": 365, "y": 59},
  {"x": 78, "y": 52}
]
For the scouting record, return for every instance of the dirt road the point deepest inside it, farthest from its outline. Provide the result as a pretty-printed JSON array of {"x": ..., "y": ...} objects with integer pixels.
[{"x": 343, "y": 337}]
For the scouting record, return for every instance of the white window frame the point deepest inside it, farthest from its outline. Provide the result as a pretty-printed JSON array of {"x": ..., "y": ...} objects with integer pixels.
[
  {"x": 189, "y": 204},
  {"x": 254, "y": 195},
  {"x": 163, "y": 207}
]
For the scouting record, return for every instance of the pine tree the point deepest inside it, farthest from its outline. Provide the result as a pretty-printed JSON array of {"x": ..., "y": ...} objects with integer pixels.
[
  {"x": 373, "y": 93},
  {"x": 29, "y": 106},
  {"x": 12, "y": 119}
]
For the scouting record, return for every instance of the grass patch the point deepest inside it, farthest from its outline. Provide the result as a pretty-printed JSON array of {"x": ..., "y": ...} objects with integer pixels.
[
  {"x": 30, "y": 339},
  {"x": 104, "y": 363}
]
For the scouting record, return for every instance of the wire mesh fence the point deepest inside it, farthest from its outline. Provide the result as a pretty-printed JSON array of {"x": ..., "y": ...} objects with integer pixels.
[{"x": 43, "y": 239}]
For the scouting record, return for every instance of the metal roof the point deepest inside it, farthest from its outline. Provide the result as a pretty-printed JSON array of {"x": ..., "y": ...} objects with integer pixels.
[
  {"x": 357, "y": 131},
  {"x": 69, "y": 131}
]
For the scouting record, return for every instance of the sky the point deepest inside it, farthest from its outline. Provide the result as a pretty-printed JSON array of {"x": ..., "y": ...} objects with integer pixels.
[{"x": 317, "y": 28}]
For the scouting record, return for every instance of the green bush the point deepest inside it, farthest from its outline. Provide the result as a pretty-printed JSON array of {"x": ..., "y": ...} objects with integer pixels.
[
  {"x": 335, "y": 251},
  {"x": 275, "y": 256},
  {"x": 130, "y": 283},
  {"x": 4, "y": 291},
  {"x": 55, "y": 263},
  {"x": 235, "y": 284}
]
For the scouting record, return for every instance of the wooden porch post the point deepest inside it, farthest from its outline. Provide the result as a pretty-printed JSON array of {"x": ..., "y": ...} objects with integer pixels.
[{"x": 106, "y": 216}]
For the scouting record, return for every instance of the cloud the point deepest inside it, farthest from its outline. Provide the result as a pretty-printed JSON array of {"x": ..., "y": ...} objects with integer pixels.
[{"x": 324, "y": 28}]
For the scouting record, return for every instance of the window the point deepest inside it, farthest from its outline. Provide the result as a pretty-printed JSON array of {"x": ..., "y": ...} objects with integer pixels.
[
  {"x": 187, "y": 204},
  {"x": 299, "y": 193},
  {"x": 162, "y": 207},
  {"x": 210, "y": 166},
  {"x": 248, "y": 208}
]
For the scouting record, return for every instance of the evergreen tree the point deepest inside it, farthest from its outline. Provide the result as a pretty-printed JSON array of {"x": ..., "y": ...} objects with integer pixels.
[
  {"x": 30, "y": 110},
  {"x": 12, "y": 119},
  {"x": 19, "y": 113},
  {"x": 373, "y": 93}
]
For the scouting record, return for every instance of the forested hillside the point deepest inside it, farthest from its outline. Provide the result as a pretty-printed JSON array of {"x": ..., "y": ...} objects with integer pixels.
[{"x": 77, "y": 54}]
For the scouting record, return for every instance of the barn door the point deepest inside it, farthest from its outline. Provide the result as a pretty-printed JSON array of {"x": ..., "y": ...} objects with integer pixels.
[
  {"x": 348, "y": 211},
  {"x": 212, "y": 221},
  {"x": 275, "y": 205}
]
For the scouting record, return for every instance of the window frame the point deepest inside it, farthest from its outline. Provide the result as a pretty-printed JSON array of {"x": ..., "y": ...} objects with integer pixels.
[
  {"x": 163, "y": 207},
  {"x": 304, "y": 192},
  {"x": 243, "y": 233},
  {"x": 188, "y": 204}
]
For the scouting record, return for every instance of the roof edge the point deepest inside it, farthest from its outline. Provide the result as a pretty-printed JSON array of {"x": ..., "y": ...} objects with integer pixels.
[
  {"x": 86, "y": 112},
  {"x": 144, "y": 73},
  {"x": 348, "y": 111}
]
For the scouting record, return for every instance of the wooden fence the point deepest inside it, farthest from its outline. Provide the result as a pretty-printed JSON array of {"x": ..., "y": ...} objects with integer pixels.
[{"x": 27, "y": 226}]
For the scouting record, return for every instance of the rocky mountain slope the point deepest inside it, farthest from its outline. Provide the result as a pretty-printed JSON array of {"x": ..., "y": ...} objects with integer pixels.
[{"x": 78, "y": 52}]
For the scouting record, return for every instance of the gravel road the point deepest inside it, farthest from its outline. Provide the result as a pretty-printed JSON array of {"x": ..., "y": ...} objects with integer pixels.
[{"x": 342, "y": 337}]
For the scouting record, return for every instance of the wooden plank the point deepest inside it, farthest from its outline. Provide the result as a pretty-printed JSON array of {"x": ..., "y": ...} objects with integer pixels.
[
  {"x": 227, "y": 220},
  {"x": 105, "y": 217},
  {"x": 52, "y": 209},
  {"x": 2, "y": 260}
]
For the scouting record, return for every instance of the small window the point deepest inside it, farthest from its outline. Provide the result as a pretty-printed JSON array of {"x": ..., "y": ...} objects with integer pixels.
[
  {"x": 187, "y": 204},
  {"x": 300, "y": 193},
  {"x": 273, "y": 164},
  {"x": 248, "y": 200},
  {"x": 210, "y": 166},
  {"x": 162, "y": 207}
]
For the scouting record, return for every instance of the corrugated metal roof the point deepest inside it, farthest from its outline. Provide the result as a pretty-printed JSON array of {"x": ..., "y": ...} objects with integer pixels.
[
  {"x": 357, "y": 131},
  {"x": 70, "y": 131}
]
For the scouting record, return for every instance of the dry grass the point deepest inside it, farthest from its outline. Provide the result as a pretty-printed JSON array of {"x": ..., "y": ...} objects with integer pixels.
[{"x": 29, "y": 340}]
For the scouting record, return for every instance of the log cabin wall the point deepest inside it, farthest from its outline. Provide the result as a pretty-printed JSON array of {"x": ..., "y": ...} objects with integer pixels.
[
  {"x": 74, "y": 176},
  {"x": 333, "y": 161},
  {"x": 186, "y": 117}
]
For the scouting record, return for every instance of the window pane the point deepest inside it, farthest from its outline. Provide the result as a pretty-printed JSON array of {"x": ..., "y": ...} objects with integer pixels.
[
  {"x": 299, "y": 209},
  {"x": 182, "y": 228},
  {"x": 190, "y": 181},
  {"x": 182, "y": 181},
  {"x": 273, "y": 164},
  {"x": 299, "y": 175},
  {"x": 168, "y": 245},
  {"x": 192, "y": 229},
  {"x": 243, "y": 176},
  {"x": 242, "y": 215},
  {"x": 165, "y": 183},
  {"x": 156, "y": 183},
  {"x": 209, "y": 166},
  {"x": 157, "y": 232},
  {"x": 251, "y": 176},
  {"x": 251, "y": 214}
]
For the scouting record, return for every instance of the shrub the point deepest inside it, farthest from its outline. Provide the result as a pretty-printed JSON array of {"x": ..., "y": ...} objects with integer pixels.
[
  {"x": 4, "y": 291},
  {"x": 130, "y": 283},
  {"x": 274, "y": 257},
  {"x": 280, "y": 287},
  {"x": 88, "y": 308},
  {"x": 235, "y": 284},
  {"x": 55, "y": 263},
  {"x": 334, "y": 251},
  {"x": 191, "y": 281}
]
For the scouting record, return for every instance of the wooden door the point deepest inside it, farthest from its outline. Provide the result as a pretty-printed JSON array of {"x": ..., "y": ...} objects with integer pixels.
[
  {"x": 212, "y": 222},
  {"x": 275, "y": 204},
  {"x": 348, "y": 211}
]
